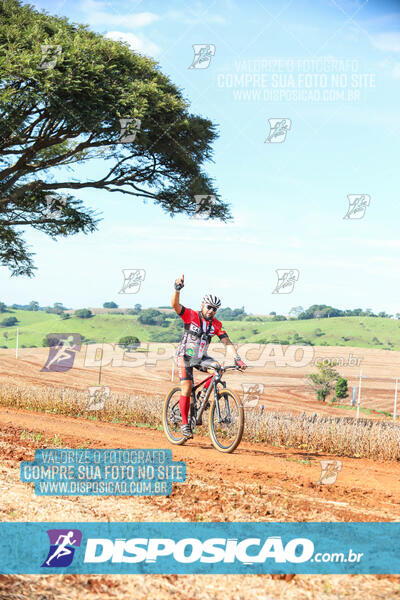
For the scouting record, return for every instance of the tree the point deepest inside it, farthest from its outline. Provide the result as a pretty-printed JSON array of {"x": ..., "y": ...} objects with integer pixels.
[
  {"x": 324, "y": 380},
  {"x": 295, "y": 311},
  {"x": 50, "y": 340},
  {"x": 110, "y": 305},
  {"x": 9, "y": 322},
  {"x": 129, "y": 342},
  {"x": 59, "y": 306},
  {"x": 70, "y": 95},
  {"x": 57, "y": 309},
  {"x": 151, "y": 316},
  {"x": 83, "y": 313},
  {"x": 342, "y": 390},
  {"x": 3, "y": 307},
  {"x": 33, "y": 305},
  {"x": 138, "y": 307}
]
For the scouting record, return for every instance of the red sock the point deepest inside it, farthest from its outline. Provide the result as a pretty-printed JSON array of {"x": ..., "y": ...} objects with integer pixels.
[{"x": 184, "y": 403}]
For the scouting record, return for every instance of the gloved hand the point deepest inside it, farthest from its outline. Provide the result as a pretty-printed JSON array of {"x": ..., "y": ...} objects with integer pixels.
[
  {"x": 239, "y": 363},
  {"x": 179, "y": 283}
]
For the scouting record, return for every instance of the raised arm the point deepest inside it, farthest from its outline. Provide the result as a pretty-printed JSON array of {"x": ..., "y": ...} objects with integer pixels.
[{"x": 179, "y": 283}]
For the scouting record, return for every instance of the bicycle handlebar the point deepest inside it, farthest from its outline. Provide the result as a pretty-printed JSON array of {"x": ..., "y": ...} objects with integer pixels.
[{"x": 222, "y": 369}]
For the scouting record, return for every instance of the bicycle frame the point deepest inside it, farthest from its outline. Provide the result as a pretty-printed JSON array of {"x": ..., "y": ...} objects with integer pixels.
[{"x": 215, "y": 379}]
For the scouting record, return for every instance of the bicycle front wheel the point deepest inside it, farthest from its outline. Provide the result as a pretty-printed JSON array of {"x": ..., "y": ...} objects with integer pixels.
[
  {"x": 171, "y": 417},
  {"x": 226, "y": 421}
]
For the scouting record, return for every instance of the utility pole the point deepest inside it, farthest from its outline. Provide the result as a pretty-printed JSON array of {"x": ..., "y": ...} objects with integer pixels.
[
  {"x": 359, "y": 396},
  {"x": 101, "y": 360}
]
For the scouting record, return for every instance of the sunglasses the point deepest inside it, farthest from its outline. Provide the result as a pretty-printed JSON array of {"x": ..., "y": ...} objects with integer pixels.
[{"x": 209, "y": 307}]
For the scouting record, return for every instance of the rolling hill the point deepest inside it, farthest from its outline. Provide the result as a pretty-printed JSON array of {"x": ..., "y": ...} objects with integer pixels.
[{"x": 363, "y": 332}]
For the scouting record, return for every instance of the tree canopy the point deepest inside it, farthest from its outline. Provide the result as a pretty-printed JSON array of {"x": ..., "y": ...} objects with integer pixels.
[{"x": 68, "y": 96}]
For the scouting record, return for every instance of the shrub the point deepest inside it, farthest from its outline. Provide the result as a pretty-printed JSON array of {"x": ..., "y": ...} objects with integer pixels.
[
  {"x": 9, "y": 322},
  {"x": 130, "y": 342},
  {"x": 83, "y": 313},
  {"x": 341, "y": 389},
  {"x": 151, "y": 316},
  {"x": 50, "y": 340}
]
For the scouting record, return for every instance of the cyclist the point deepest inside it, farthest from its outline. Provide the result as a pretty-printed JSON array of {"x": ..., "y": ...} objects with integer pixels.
[{"x": 200, "y": 326}]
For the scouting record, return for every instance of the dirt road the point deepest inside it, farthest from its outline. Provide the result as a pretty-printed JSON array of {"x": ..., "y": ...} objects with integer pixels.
[{"x": 365, "y": 490}]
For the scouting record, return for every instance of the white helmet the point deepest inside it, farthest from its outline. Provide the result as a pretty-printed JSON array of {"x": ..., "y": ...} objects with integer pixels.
[{"x": 212, "y": 300}]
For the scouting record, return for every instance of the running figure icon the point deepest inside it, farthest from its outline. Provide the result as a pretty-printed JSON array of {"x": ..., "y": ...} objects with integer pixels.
[{"x": 62, "y": 549}]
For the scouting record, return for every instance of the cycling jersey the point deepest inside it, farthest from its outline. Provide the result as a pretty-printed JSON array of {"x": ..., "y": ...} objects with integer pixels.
[{"x": 198, "y": 333}]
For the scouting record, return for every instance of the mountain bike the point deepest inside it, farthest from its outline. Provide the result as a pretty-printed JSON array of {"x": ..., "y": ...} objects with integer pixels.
[{"x": 226, "y": 414}]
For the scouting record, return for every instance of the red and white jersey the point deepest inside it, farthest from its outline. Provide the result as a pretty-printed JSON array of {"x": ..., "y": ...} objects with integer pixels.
[{"x": 191, "y": 345}]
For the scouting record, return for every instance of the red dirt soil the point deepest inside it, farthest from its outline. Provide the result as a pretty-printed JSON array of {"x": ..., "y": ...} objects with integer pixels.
[
  {"x": 256, "y": 483},
  {"x": 365, "y": 490}
]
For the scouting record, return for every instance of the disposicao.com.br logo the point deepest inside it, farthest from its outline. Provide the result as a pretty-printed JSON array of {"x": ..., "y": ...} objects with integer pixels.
[
  {"x": 208, "y": 547},
  {"x": 190, "y": 550}
]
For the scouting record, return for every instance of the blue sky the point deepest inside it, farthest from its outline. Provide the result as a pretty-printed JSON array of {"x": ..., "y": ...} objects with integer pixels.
[{"x": 288, "y": 199}]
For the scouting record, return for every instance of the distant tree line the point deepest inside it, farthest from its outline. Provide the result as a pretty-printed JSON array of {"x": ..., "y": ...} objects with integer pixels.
[
  {"x": 152, "y": 316},
  {"x": 322, "y": 311}
]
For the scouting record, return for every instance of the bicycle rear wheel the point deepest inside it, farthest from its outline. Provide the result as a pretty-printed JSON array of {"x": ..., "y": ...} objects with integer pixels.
[
  {"x": 171, "y": 417},
  {"x": 226, "y": 421}
]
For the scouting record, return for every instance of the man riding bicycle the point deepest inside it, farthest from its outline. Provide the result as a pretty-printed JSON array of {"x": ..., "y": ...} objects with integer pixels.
[{"x": 200, "y": 326}]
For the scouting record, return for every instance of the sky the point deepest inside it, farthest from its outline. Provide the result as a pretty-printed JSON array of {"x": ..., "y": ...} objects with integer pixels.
[{"x": 327, "y": 71}]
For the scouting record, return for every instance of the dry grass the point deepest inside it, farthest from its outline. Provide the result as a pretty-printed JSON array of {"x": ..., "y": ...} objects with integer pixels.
[
  {"x": 342, "y": 436},
  {"x": 118, "y": 408}
]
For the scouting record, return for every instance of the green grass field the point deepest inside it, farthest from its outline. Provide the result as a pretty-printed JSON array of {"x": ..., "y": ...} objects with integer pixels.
[{"x": 365, "y": 332}]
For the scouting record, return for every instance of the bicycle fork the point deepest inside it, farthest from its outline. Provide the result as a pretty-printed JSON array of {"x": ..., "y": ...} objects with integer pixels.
[{"x": 227, "y": 418}]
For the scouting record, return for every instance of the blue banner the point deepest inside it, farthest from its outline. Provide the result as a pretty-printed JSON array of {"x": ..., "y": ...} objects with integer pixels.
[
  {"x": 102, "y": 472},
  {"x": 45, "y": 548}
]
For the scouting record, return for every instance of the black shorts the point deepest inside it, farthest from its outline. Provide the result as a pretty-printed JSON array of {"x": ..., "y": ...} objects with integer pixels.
[{"x": 186, "y": 365}]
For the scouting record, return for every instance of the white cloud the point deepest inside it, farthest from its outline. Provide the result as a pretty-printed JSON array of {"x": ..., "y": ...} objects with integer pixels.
[
  {"x": 138, "y": 42},
  {"x": 94, "y": 15},
  {"x": 388, "y": 41}
]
